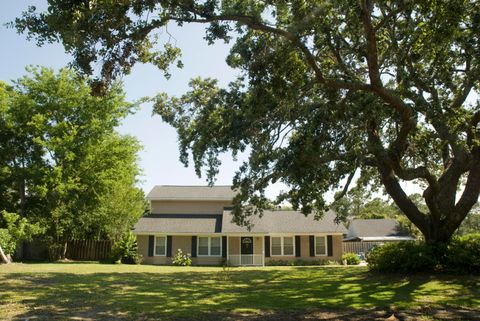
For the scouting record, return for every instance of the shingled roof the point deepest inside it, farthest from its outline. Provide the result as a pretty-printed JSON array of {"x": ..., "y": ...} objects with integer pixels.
[
  {"x": 179, "y": 223},
  {"x": 191, "y": 193},
  {"x": 284, "y": 222},
  {"x": 271, "y": 222},
  {"x": 376, "y": 230}
]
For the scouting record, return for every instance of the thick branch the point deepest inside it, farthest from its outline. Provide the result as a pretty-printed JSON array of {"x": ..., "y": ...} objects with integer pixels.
[
  {"x": 462, "y": 94},
  {"x": 448, "y": 183},
  {"x": 410, "y": 174},
  {"x": 470, "y": 193},
  {"x": 406, "y": 115},
  {"x": 391, "y": 183},
  {"x": 472, "y": 130},
  {"x": 372, "y": 55},
  {"x": 345, "y": 188},
  {"x": 433, "y": 110}
]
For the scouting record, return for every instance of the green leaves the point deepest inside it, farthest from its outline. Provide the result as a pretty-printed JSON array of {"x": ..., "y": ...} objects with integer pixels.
[
  {"x": 16, "y": 229},
  {"x": 62, "y": 164}
]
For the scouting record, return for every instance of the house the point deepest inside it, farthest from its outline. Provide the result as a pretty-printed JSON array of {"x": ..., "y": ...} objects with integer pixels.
[
  {"x": 376, "y": 230},
  {"x": 198, "y": 220}
]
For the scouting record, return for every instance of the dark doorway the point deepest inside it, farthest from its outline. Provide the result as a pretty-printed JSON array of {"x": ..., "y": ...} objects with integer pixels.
[{"x": 246, "y": 245}]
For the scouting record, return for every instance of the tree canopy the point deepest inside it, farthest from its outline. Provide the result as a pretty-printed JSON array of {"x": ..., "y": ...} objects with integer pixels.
[
  {"x": 327, "y": 89},
  {"x": 62, "y": 165}
]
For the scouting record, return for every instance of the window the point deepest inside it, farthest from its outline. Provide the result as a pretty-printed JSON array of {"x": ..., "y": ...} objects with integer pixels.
[
  {"x": 283, "y": 245},
  {"x": 203, "y": 246},
  {"x": 276, "y": 246},
  {"x": 209, "y": 246},
  {"x": 215, "y": 247},
  {"x": 320, "y": 245},
  {"x": 160, "y": 246},
  {"x": 288, "y": 246}
]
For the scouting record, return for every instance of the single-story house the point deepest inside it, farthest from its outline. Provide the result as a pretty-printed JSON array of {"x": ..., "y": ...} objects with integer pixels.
[
  {"x": 376, "y": 230},
  {"x": 198, "y": 220}
]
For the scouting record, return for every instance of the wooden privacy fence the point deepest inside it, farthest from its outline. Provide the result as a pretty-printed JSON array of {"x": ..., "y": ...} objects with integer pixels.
[
  {"x": 357, "y": 247},
  {"x": 89, "y": 250}
]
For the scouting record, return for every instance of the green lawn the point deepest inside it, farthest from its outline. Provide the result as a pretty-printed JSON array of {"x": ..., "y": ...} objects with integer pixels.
[{"x": 98, "y": 291}]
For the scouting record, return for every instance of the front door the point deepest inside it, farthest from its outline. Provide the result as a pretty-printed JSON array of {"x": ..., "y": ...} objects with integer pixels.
[
  {"x": 246, "y": 250},
  {"x": 246, "y": 245}
]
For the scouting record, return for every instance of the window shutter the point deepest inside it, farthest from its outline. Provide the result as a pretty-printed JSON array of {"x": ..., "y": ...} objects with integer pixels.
[
  {"x": 329, "y": 245},
  {"x": 312, "y": 245},
  {"x": 194, "y": 246},
  {"x": 267, "y": 246},
  {"x": 297, "y": 246},
  {"x": 224, "y": 246},
  {"x": 169, "y": 246},
  {"x": 151, "y": 244}
]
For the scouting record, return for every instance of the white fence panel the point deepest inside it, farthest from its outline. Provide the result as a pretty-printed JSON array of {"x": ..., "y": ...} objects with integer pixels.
[{"x": 357, "y": 247}]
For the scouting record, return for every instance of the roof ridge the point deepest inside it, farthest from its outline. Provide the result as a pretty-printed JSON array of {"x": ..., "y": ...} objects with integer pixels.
[{"x": 193, "y": 186}]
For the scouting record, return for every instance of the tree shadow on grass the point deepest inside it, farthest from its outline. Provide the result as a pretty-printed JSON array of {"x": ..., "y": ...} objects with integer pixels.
[{"x": 255, "y": 294}]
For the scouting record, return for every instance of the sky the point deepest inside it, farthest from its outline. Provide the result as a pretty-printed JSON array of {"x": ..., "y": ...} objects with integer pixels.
[{"x": 159, "y": 158}]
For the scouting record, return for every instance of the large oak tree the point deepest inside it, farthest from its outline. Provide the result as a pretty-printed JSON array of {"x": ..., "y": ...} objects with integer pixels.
[{"x": 326, "y": 88}]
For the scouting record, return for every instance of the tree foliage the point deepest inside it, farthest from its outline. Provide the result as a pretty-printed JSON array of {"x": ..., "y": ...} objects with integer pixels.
[
  {"x": 328, "y": 88},
  {"x": 14, "y": 229},
  {"x": 62, "y": 165}
]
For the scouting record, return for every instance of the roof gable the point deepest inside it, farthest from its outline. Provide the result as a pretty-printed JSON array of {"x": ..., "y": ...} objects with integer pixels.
[{"x": 191, "y": 193}]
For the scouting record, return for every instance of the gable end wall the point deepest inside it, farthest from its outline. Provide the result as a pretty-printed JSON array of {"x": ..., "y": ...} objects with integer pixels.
[{"x": 189, "y": 207}]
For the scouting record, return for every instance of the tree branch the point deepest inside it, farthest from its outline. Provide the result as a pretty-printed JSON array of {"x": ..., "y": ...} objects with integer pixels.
[
  {"x": 345, "y": 188},
  {"x": 472, "y": 129},
  {"x": 372, "y": 55},
  {"x": 468, "y": 199},
  {"x": 389, "y": 16},
  {"x": 390, "y": 182}
]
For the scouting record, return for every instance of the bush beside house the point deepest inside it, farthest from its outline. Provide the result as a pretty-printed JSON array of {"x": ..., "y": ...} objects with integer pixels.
[
  {"x": 181, "y": 259},
  {"x": 461, "y": 255},
  {"x": 126, "y": 250},
  {"x": 350, "y": 259}
]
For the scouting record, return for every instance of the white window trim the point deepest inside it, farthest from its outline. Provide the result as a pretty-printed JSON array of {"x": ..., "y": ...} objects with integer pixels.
[
  {"x": 326, "y": 245},
  {"x": 209, "y": 245},
  {"x": 155, "y": 245},
  {"x": 282, "y": 245}
]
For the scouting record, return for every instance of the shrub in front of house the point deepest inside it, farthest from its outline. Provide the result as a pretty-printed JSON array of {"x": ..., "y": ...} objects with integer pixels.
[
  {"x": 461, "y": 255},
  {"x": 300, "y": 262},
  {"x": 402, "y": 257},
  {"x": 351, "y": 258},
  {"x": 181, "y": 259},
  {"x": 126, "y": 250}
]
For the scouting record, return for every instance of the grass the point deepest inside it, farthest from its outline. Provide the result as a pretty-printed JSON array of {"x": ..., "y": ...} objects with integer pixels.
[{"x": 101, "y": 291}]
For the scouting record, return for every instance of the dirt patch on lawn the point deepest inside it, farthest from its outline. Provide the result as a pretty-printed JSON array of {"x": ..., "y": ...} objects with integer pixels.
[{"x": 363, "y": 315}]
